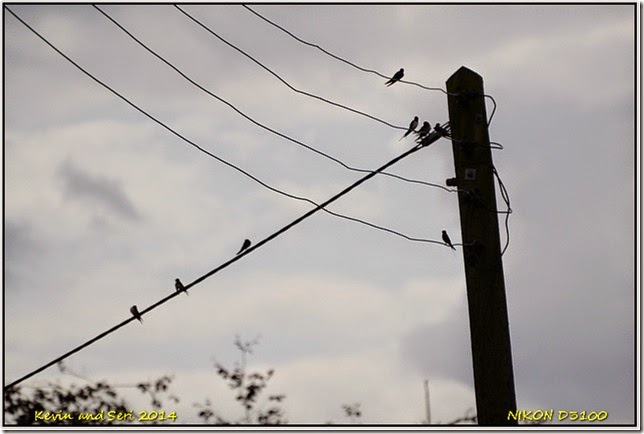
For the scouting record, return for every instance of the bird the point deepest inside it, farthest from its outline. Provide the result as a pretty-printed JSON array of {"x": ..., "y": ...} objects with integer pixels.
[
  {"x": 244, "y": 246},
  {"x": 135, "y": 313},
  {"x": 423, "y": 131},
  {"x": 412, "y": 127},
  {"x": 397, "y": 76},
  {"x": 179, "y": 286},
  {"x": 442, "y": 131},
  {"x": 447, "y": 240}
]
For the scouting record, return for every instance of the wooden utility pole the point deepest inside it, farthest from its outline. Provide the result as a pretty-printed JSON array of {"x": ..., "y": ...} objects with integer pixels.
[{"x": 489, "y": 329}]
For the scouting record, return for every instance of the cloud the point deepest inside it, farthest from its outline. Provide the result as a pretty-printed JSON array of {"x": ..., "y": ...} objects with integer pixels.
[
  {"x": 345, "y": 311},
  {"x": 108, "y": 194},
  {"x": 22, "y": 250}
]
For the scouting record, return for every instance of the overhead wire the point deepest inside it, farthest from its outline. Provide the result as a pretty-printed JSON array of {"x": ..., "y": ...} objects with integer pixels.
[
  {"x": 360, "y": 68},
  {"x": 221, "y": 160},
  {"x": 431, "y": 138},
  {"x": 491, "y": 98},
  {"x": 504, "y": 192},
  {"x": 506, "y": 198},
  {"x": 493, "y": 145},
  {"x": 341, "y": 59},
  {"x": 496, "y": 145},
  {"x": 226, "y": 263},
  {"x": 231, "y": 45},
  {"x": 255, "y": 122}
]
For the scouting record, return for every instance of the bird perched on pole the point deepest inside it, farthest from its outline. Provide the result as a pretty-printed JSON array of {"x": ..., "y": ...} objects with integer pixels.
[
  {"x": 179, "y": 286},
  {"x": 424, "y": 130},
  {"x": 412, "y": 127},
  {"x": 244, "y": 246},
  {"x": 447, "y": 240},
  {"x": 397, "y": 76},
  {"x": 135, "y": 313}
]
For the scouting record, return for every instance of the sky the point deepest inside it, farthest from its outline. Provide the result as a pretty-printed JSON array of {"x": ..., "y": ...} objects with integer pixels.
[{"x": 104, "y": 208}]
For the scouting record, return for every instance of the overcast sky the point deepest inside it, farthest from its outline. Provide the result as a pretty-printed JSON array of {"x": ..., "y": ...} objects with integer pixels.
[{"x": 105, "y": 208}]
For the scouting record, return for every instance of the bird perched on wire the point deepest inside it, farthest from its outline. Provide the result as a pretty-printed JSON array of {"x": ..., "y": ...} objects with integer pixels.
[
  {"x": 397, "y": 76},
  {"x": 412, "y": 127},
  {"x": 179, "y": 286},
  {"x": 423, "y": 131},
  {"x": 440, "y": 130},
  {"x": 244, "y": 246},
  {"x": 135, "y": 313},
  {"x": 447, "y": 240}
]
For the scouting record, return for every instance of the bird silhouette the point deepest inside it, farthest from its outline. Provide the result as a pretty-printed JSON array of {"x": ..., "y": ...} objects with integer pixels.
[
  {"x": 412, "y": 127},
  {"x": 442, "y": 131},
  {"x": 244, "y": 246},
  {"x": 179, "y": 286},
  {"x": 397, "y": 76},
  {"x": 423, "y": 131},
  {"x": 447, "y": 240},
  {"x": 135, "y": 313}
]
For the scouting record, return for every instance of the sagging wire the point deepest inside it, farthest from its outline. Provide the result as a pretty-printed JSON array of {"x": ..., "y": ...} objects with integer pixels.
[
  {"x": 360, "y": 68},
  {"x": 257, "y": 123}
]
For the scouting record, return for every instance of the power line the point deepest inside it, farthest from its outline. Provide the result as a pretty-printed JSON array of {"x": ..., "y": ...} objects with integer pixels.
[
  {"x": 221, "y": 160},
  {"x": 426, "y": 142},
  {"x": 496, "y": 145},
  {"x": 360, "y": 68},
  {"x": 253, "y": 121},
  {"x": 491, "y": 98},
  {"x": 504, "y": 192},
  {"x": 227, "y": 263},
  {"x": 281, "y": 79},
  {"x": 506, "y": 198},
  {"x": 310, "y": 44}
]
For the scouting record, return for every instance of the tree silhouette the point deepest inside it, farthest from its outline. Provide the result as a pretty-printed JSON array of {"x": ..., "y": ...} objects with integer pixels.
[
  {"x": 352, "y": 411},
  {"x": 54, "y": 404},
  {"x": 67, "y": 405},
  {"x": 248, "y": 387}
]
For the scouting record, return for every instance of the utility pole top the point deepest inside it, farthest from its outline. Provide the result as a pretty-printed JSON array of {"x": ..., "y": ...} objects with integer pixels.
[{"x": 464, "y": 71}]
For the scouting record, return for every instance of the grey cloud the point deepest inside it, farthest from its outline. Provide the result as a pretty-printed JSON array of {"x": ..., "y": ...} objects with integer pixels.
[
  {"x": 564, "y": 116},
  {"x": 94, "y": 189},
  {"x": 20, "y": 250}
]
